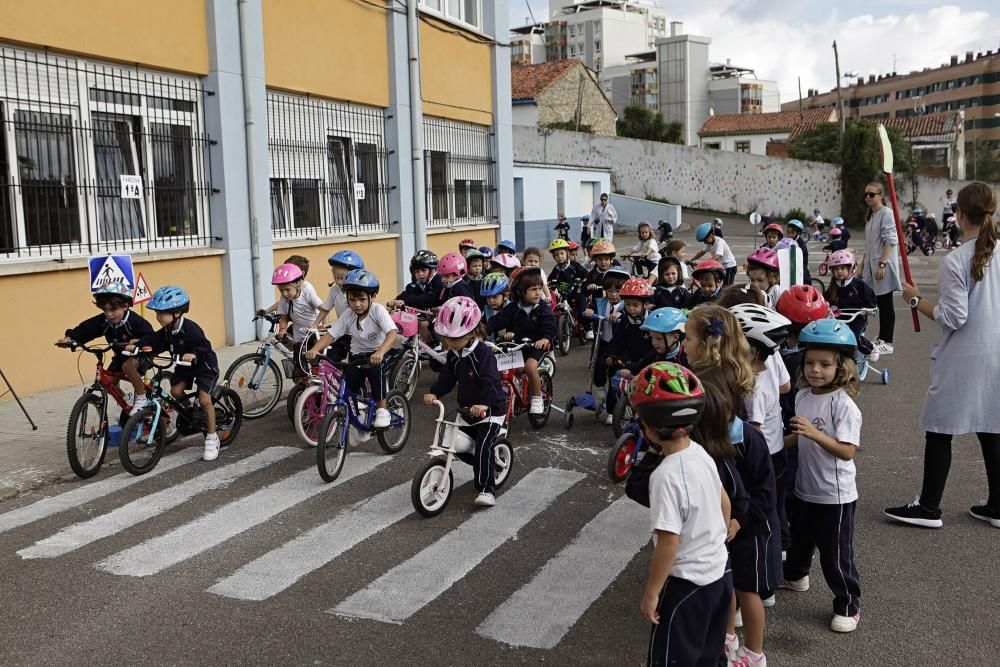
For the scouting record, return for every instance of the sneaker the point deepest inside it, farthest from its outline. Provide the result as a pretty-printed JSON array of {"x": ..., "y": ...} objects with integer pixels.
[
  {"x": 797, "y": 585},
  {"x": 984, "y": 512},
  {"x": 873, "y": 357},
  {"x": 140, "y": 402},
  {"x": 883, "y": 348},
  {"x": 733, "y": 645},
  {"x": 486, "y": 499},
  {"x": 211, "y": 447},
  {"x": 536, "y": 406},
  {"x": 915, "y": 514},
  {"x": 770, "y": 600},
  {"x": 738, "y": 619},
  {"x": 589, "y": 335},
  {"x": 844, "y": 623},
  {"x": 747, "y": 658},
  {"x": 609, "y": 419},
  {"x": 382, "y": 419}
]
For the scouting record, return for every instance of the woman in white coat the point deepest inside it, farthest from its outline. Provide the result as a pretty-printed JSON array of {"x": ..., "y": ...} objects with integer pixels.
[
  {"x": 880, "y": 267},
  {"x": 965, "y": 365}
]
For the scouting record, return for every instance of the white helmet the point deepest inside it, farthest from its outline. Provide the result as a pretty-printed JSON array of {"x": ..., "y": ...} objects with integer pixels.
[{"x": 761, "y": 325}]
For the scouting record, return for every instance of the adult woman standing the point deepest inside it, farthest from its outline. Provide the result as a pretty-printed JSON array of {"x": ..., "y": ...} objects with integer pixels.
[
  {"x": 965, "y": 368},
  {"x": 880, "y": 268}
]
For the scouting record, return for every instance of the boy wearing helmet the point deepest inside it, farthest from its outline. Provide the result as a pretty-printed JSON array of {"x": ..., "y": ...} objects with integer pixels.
[
  {"x": 837, "y": 241},
  {"x": 494, "y": 292},
  {"x": 119, "y": 326},
  {"x": 848, "y": 292},
  {"x": 185, "y": 339},
  {"x": 565, "y": 274},
  {"x": 795, "y": 230},
  {"x": 420, "y": 292},
  {"x": 474, "y": 276},
  {"x": 451, "y": 271},
  {"x": 562, "y": 228},
  {"x": 666, "y": 331},
  {"x": 630, "y": 344},
  {"x": 609, "y": 307},
  {"x": 602, "y": 254},
  {"x": 465, "y": 245},
  {"x": 716, "y": 249},
  {"x": 372, "y": 333},
  {"x": 340, "y": 263}
]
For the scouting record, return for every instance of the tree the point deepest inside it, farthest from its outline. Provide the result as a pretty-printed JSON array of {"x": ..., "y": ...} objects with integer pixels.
[
  {"x": 641, "y": 123},
  {"x": 983, "y": 162},
  {"x": 569, "y": 125}
]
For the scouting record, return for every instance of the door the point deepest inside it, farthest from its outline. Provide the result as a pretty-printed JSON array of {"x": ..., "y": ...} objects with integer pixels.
[
  {"x": 587, "y": 200},
  {"x": 519, "y": 200}
]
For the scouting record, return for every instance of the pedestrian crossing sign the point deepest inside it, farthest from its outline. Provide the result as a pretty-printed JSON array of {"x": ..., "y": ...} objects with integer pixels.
[
  {"x": 141, "y": 294},
  {"x": 107, "y": 269}
]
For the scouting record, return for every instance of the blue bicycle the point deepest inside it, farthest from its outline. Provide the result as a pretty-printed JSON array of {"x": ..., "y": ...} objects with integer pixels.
[
  {"x": 257, "y": 378},
  {"x": 351, "y": 410}
]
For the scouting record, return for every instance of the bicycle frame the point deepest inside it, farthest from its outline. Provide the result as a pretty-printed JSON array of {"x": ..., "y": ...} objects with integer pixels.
[{"x": 347, "y": 400}]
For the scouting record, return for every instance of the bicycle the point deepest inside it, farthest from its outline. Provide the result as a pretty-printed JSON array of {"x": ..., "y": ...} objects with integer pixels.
[
  {"x": 510, "y": 363},
  {"x": 87, "y": 439},
  {"x": 313, "y": 402},
  {"x": 824, "y": 266},
  {"x": 331, "y": 448},
  {"x": 639, "y": 269},
  {"x": 144, "y": 436},
  {"x": 432, "y": 486},
  {"x": 255, "y": 376},
  {"x": 405, "y": 372},
  {"x": 567, "y": 324},
  {"x": 625, "y": 452},
  {"x": 865, "y": 354},
  {"x": 622, "y": 414}
]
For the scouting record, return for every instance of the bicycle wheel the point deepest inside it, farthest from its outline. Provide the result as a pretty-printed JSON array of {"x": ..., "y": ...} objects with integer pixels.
[
  {"x": 293, "y": 399},
  {"x": 309, "y": 414},
  {"x": 538, "y": 421},
  {"x": 565, "y": 329},
  {"x": 331, "y": 448},
  {"x": 393, "y": 439},
  {"x": 228, "y": 415},
  {"x": 621, "y": 417},
  {"x": 258, "y": 385},
  {"x": 171, "y": 418},
  {"x": 404, "y": 375},
  {"x": 823, "y": 269},
  {"x": 818, "y": 284},
  {"x": 141, "y": 448},
  {"x": 431, "y": 488},
  {"x": 86, "y": 436},
  {"x": 503, "y": 461},
  {"x": 620, "y": 458}
]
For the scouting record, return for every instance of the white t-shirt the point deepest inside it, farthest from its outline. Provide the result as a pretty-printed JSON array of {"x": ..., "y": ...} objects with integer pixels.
[
  {"x": 649, "y": 245},
  {"x": 776, "y": 367},
  {"x": 685, "y": 498},
  {"x": 721, "y": 248},
  {"x": 366, "y": 334},
  {"x": 763, "y": 408},
  {"x": 773, "y": 294},
  {"x": 301, "y": 310},
  {"x": 336, "y": 301},
  {"x": 823, "y": 478}
]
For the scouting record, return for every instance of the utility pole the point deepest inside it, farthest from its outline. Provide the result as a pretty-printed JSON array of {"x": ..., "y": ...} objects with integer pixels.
[
  {"x": 840, "y": 99},
  {"x": 801, "y": 113}
]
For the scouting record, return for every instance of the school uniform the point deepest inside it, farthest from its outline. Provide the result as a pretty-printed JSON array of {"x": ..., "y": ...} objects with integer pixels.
[
  {"x": 826, "y": 486},
  {"x": 475, "y": 285},
  {"x": 628, "y": 345},
  {"x": 685, "y": 499},
  {"x": 457, "y": 288},
  {"x": 132, "y": 327},
  {"x": 301, "y": 311},
  {"x": 565, "y": 278},
  {"x": 186, "y": 337},
  {"x": 367, "y": 335},
  {"x": 698, "y": 297},
  {"x": 763, "y": 407},
  {"x": 603, "y": 338},
  {"x": 670, "y": 296},
  {"x": 336, "y": 301},
  {"x": 835, "y": 245},
  {"x": 535, "y": 323},
  {"x": 421, "y": 295},
  {"x": 853, "y": 293}
]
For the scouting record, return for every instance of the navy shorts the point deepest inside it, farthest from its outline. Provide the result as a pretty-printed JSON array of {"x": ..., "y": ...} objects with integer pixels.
[
  {"x": 756, "y": 563},
  {"x": 205, "y": 380},
  {"x": 533, "y": 353},
  {"x": 118, "y": 361}
]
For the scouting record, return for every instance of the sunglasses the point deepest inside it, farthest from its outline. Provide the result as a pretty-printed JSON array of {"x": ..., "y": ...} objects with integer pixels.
[{"x": 872, "y": 194}]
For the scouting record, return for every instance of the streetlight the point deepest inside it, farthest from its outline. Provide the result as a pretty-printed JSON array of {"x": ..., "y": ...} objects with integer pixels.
[{"x": 840, "y": 100}]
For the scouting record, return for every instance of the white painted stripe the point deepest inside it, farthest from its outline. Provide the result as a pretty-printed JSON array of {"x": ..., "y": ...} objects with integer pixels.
[
  {"x": 83, "y": 533},
  {"x": 230, "y": 520},
  {"x": 91, "y": 491},
  {"x": 415, "y": 583},
  {"x": 541, "y": 613},
  {"x": 277, "y": 570}
]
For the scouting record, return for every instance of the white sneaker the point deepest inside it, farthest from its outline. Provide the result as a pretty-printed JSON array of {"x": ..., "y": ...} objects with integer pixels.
[
  {"x": 485, "y": 499},
  {"x": 769, "y": 601},
  {"x": 211, "y": 447},
  {"x": 873, "y": 357},
  {"x": 609, "y": 419},
  {"x": 536, "y": 406},
  {"x": 884, "y": 348},
  {"x": 382, "y": 418},
  {"x": 799, "y": 585},
  {"x": 589, "y": 335},
  {"x": 844, "y": 623},
  {"x": 140, "y": 402}
]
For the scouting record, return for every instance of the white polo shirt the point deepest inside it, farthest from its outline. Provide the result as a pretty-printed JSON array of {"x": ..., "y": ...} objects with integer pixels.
[
  {"x": 763, "y": 407},
  {"x": 721, "y": 248},
  {"x": 301, "y": 310},
  {"x": 336, "y": 301},
  {"x": 368, "y": 333},
  {"x": 823, "y": 478}
]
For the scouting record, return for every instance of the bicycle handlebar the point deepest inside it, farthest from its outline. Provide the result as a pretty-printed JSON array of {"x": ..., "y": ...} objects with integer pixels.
[
  {"x": 73, "y": 346},
  {"x": 851, "y": 314}
]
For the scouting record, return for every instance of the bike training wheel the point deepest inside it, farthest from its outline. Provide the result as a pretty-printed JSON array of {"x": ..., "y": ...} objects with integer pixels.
[
  {"x": 309, "y": 414},
  {"x": 431, "y": 488},
  {"x": 292, "y": 399},
  {"x": 393, "y": 439},
  {"x": 242, "y": 373},
  {"x": 228, "y": 415},
  {"x": 620, "y": 458},
  {"x": 564, "y": 327},
  {"x": 331, "y": 448},
  {"x": 885, "y": 376},
  {"x": 86, "y": 436},
  {"x": 818, "y": 284},
  {"x": 404, "y": 376},
  {"x": 538, "y": 421},
  {"x": 503, "y": 459},
  {"x": 621, "y": 417},
  {"x": 140, "y": 450}
]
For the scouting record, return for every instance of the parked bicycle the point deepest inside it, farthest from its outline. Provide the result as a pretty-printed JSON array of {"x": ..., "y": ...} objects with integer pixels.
[
  {"x": 256, "y": 377},
  {"x": 510, "y": 363},
  {"x": 405, "y": 372}
]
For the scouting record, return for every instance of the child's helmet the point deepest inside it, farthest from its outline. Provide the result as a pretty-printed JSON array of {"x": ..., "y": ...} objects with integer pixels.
[
  {"x": 794, "y": 223},
  {"x": 584, "y": 218},
  {"x": 643, "y": 223},
  {"x": 115, "y": 289},
  {"x": 346, "y": 258},
  {"x": 286, "y": 273},
  {"x": 590, "y": 242},
  {"x": 452, "y": 262},
  {"x": 829, "y": 334},
  {"x": 494, "y": 284},
  {"x": 764, "y": 257},
  {"x": 559, "y": 244},
  {"x": 762, "y": 325},
  {"x": 841, "y": 258},
  {"x": 423, "y": 259},
  {"x": 506, "y": 261},
  {"x": 457, "y": 317},
  {"x": 169, "y": 297},
  {"x": 506, "y": 244},
  {"x": 471, "y": 254},
  {"x": 519, "y": 273},
  {"x": 803, "y": 304},
  {"x": 637, "y": 288},
  {"x": 361, "y": 281},
  {"x": 572, "y": 245},
  {"x": 486, "y": 251},
  {"x": 718, "y": 222},
  {"x": 665, "y": 320},
  {"x": 815, "y": 211},
  {"x": 616, "y": 272},
  {"x": 837, "y": 222},
  {"x": 703, "y": 230},
  {"x": 709, "y": 266},
  {"x": 667, "y": 396},
  {"x": 602, "y": 247},
  {"x": 466, "y": 243},
  {"x": 774, "y": 227},
  {"x": 836, "y": 233}
]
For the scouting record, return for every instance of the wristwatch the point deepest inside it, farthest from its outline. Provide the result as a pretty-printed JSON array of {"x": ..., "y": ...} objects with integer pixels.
[
  {"x": 915, "y": 300},
  {"x": 882, "y": 265}
]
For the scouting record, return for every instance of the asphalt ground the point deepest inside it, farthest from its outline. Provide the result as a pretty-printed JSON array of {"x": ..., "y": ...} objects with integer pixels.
[{"x": 928, "y": 596}]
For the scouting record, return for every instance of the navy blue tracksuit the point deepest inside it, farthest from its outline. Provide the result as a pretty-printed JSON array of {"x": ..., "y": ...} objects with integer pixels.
[
  {"x": 629, "y": 345},
  {"x": 675, "y": 296},
  {"x": 535, "y": 324},
  {"x": 132, "y": 327},
  {"x": 188, "y": 338},
  {"x": 831, "y": 529},
  {"x": 756, "y": 549}
]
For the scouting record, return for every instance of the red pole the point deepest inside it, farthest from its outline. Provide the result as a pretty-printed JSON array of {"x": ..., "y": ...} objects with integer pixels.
[{"x": 901, "y": 244}]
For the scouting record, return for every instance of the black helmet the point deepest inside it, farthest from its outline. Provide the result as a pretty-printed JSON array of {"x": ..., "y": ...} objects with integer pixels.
[{"x": 423, "y": 259}]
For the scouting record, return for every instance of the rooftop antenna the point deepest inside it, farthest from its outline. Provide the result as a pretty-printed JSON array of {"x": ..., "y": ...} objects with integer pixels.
[{"x": 530, "y": 13}]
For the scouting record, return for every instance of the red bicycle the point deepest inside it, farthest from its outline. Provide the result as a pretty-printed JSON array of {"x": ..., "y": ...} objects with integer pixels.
[
  {"x": 510, "y": 362},
  {"x": 87, "y": 433}
]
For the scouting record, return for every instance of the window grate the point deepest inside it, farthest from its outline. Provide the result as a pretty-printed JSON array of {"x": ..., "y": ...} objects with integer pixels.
[{"x": 460, "y": 174}]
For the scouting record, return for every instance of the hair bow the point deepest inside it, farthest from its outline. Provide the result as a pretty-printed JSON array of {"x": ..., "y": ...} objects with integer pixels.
[{"x": 716, "y": 327}]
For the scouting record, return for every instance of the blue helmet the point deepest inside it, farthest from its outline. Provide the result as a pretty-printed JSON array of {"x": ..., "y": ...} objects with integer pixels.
[
  {"x": 346, "y": 258},
  {"x": 506, "y": 244},
  {"x": 486, "y": 252},
  {"x": 114, "y": 289},
  {"x": 169, "y": 297},
  {"x": 494, "y": 284},
  {"x": 797, "y": 224},
  {"x": 837, "y": 222},
  {"x": 703, "y": 230},
  {"x": 829, "y": 334},
  {"x": 360, "y": 280},
  {"x": 665, "y": 320}
]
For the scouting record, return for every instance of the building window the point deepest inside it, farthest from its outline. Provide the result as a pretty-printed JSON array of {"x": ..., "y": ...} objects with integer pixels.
[
  {"x": 572, "y": 49},
  {"x": 597, "y": 45},
  {"x": 460, "y": 174},
  {"x": 572, "y": 31},
  {"x": 742, "y": 146},
  {"x": 597, "y": 27},
  {"x": 560, "y": 198},
  {"x": 70, "y": 129},
  {"x": 468, "y": 12},
  {"x": 714, "y": 145},
  {"x": 597, "y": 64}
]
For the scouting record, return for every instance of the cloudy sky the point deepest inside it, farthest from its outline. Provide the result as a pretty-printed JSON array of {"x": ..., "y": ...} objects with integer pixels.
[{"x": 786, "y": 39}]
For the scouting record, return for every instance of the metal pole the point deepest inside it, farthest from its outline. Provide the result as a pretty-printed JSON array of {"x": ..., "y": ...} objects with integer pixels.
[
  {"x": 801, "y": 114},
  {"x": 248, "y": 130},
  {"x": 840, "y": 99},
  {"x": 13, "y": 393},
  {"x": 416, "y": 128}
]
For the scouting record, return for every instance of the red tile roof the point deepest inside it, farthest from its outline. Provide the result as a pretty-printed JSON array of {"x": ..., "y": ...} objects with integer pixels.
[
  {"x": 765, "y": 123},
  {"x": 929, "y": 125},
  {"x": 529, "y": 81}
]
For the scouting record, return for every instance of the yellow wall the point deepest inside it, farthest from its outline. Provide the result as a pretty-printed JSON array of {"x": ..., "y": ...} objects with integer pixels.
[
  {"x": 331, "y": 48},
  {"x": 455, "y": 74},
  {"x": 379, "y": 256},
  {"x": 159, "y": 33},
  {"x": 448, "y": 241},
  {"x": 58, "y": 300}
]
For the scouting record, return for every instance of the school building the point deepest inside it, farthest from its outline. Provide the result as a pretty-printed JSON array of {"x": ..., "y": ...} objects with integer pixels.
[{"x": 249, "y": 130}]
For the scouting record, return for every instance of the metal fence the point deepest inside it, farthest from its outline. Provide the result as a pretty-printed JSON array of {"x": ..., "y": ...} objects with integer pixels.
[
  {"x": 328, "y": 167},
  {"x": 97, "y": 157},
  {"x": 461, "y": 174}
]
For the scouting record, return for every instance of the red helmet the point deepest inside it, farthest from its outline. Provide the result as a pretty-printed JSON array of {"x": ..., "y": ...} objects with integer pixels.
[
  {"x": 572, "y": 245},
  {"x": 667, "y": 396},
  {"x": 764, "y": 257},
  {"x": 803, "y": 304},
  {"x": 774, "y": 227},
  {"x": 637, "y": 288},
  {"x": 467, "y": 243},
  {"x": 709, "y": 265},
  {"x": 521, "y": 271}
]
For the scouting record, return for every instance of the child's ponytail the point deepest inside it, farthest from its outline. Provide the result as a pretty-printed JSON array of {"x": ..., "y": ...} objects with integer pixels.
[
  {"x": 724, "y": 343},
  {"x": 979, "y": 204}
]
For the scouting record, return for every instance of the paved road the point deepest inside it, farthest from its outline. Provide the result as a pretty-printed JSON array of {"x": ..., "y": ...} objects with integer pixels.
[{"x": 253, "y": 559}]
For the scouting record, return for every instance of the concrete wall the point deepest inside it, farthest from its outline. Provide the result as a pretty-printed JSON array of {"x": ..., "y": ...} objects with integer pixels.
[
  {"x": 632, "y": 210},
  {"x": 525, "y": 114}
]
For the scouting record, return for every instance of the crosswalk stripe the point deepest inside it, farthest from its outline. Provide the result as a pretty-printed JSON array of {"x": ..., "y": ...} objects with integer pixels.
[
  {"x": 91, "y": 491},
  {"x": 83, "y": 533},
  {"x": 193, "y": 538},
  {"x": 541, "y": 613},
  {"x": 415, "y": 583},
  {"x": 277, "y": 570}
]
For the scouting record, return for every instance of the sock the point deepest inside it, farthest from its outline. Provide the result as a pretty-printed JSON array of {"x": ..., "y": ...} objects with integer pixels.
[{"x": 754, "y": 657}]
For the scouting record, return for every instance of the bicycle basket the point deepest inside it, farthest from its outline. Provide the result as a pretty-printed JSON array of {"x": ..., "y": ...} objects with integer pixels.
[
  {"x": 455, "y": 438},
  {"x": 406, "y": 323}
]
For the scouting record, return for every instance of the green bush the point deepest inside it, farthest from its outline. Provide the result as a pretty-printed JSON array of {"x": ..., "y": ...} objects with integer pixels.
[{"x": 796, "y": 214}]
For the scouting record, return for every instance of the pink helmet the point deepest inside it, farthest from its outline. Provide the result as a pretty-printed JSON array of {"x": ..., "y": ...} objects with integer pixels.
[
  {"x": 406, "y": 323},
  {"x": 457, "y": 317},
  {"x": 286, "y": 273},
  {"x": 835, "y": 232},
  {"x": 841, "y": 258},
  {"x": 506, "y": 261},
  {"x": 764, "y": 257},
  {"x": 452, "y": 262}
]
